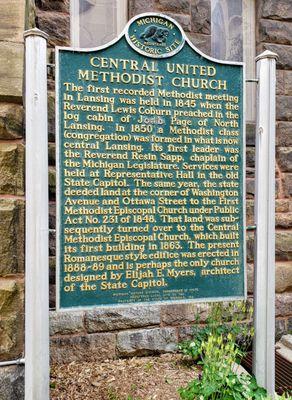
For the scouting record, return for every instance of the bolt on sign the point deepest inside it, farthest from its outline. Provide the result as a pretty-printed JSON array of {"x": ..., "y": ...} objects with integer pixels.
[{"x": 150, "y": 160}]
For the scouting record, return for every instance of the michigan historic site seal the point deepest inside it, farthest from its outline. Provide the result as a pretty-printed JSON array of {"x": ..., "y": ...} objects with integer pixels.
[{"x": 155, "y": 35}]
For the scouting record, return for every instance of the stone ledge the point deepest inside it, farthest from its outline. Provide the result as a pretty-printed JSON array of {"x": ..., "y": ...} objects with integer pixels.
[
  {"x": 111, "y": 319},
  {"x": 146, "y": 341},
  {"x": 65, "y": 323}
]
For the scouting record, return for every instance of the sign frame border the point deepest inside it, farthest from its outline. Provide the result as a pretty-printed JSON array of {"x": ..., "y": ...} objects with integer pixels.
[{"x": 57, "y": 141}]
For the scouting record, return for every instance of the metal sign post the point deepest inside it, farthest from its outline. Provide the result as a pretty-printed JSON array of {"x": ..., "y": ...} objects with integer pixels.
[
  {"x": 264, "y": 289},
  {"x": 36, "y": 261}
]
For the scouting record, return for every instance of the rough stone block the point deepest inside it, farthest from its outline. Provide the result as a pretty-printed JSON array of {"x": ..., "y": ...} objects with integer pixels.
[
  {"x": 284, "y": 158},
  {"x": 202, "y": 42},
  {"x": 284, "y": 220},
  {"x": 11, "y": 168},
  {"x": 56, "y": 25},
  {"x": 95, "y": 347},
  {"x": 284, "y": 304},
  {"x": 52, "y": 183},
  {"x": 286, "y": 340},
  {"x": 249, "y": 212},
  {"x": 11, "y": 236},
  {"x": 284, "y": 245},
  {"x": 183, "y": 314},
  {"x": 11, "y": 318},
  {"x": 250, "y": 188},
  {"x": 283, "y": 277},
  {"x": 275, "y": 31},
  {"x": 12, "y": 383},
  {"x": 280, "y": 328},
  {"x": 289, "y": 325},
  {"x": 141, "y": 6},
  {"x": 183, "y": 19},
  {"x": 282, "y": 205},
  {"x": 284, "y": 134},
  {"x": 52, "y": 243},
  {"x": 284, "y": 52},
  {"x": 100, "y": 320},
  {"x": 52, "y": 296},
  {"x": 288, "y": 184},
  {"x": 284, "y": 108},
  {"x": 275, "y": 9},
  {"x": 201, "y": 16},
  {"x": 11, "y": 119},
  {"x": 65, "y": 323},
  {"x": 185, "y": 333},
  {"x": 54, "y": 5},
  {"x": 146, "y": 341},
  {"x": 287, "y": 80},
  {"x": 177, "y": 6},
  {"x": 12, "y": 20},
  {"x": 11, "y": 71}
]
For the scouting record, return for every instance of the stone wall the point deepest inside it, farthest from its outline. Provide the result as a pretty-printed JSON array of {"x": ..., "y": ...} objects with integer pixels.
[
  {"x": 105, "y": 333},
  {"x": 11, "y": 196}
]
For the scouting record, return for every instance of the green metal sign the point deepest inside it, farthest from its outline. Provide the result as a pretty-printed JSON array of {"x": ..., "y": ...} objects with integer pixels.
[{"x": 150, "y": 171}]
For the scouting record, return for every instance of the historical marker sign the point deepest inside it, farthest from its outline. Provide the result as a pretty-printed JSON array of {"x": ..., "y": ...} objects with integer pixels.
[{"x": 150, "y": 160}]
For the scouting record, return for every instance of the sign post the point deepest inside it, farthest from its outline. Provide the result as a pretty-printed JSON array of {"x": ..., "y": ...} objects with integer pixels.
[
  {"x": 264, "y": 289},
  {"x": 36, "y": 190},
  {"x": 150, "y": 171}
]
